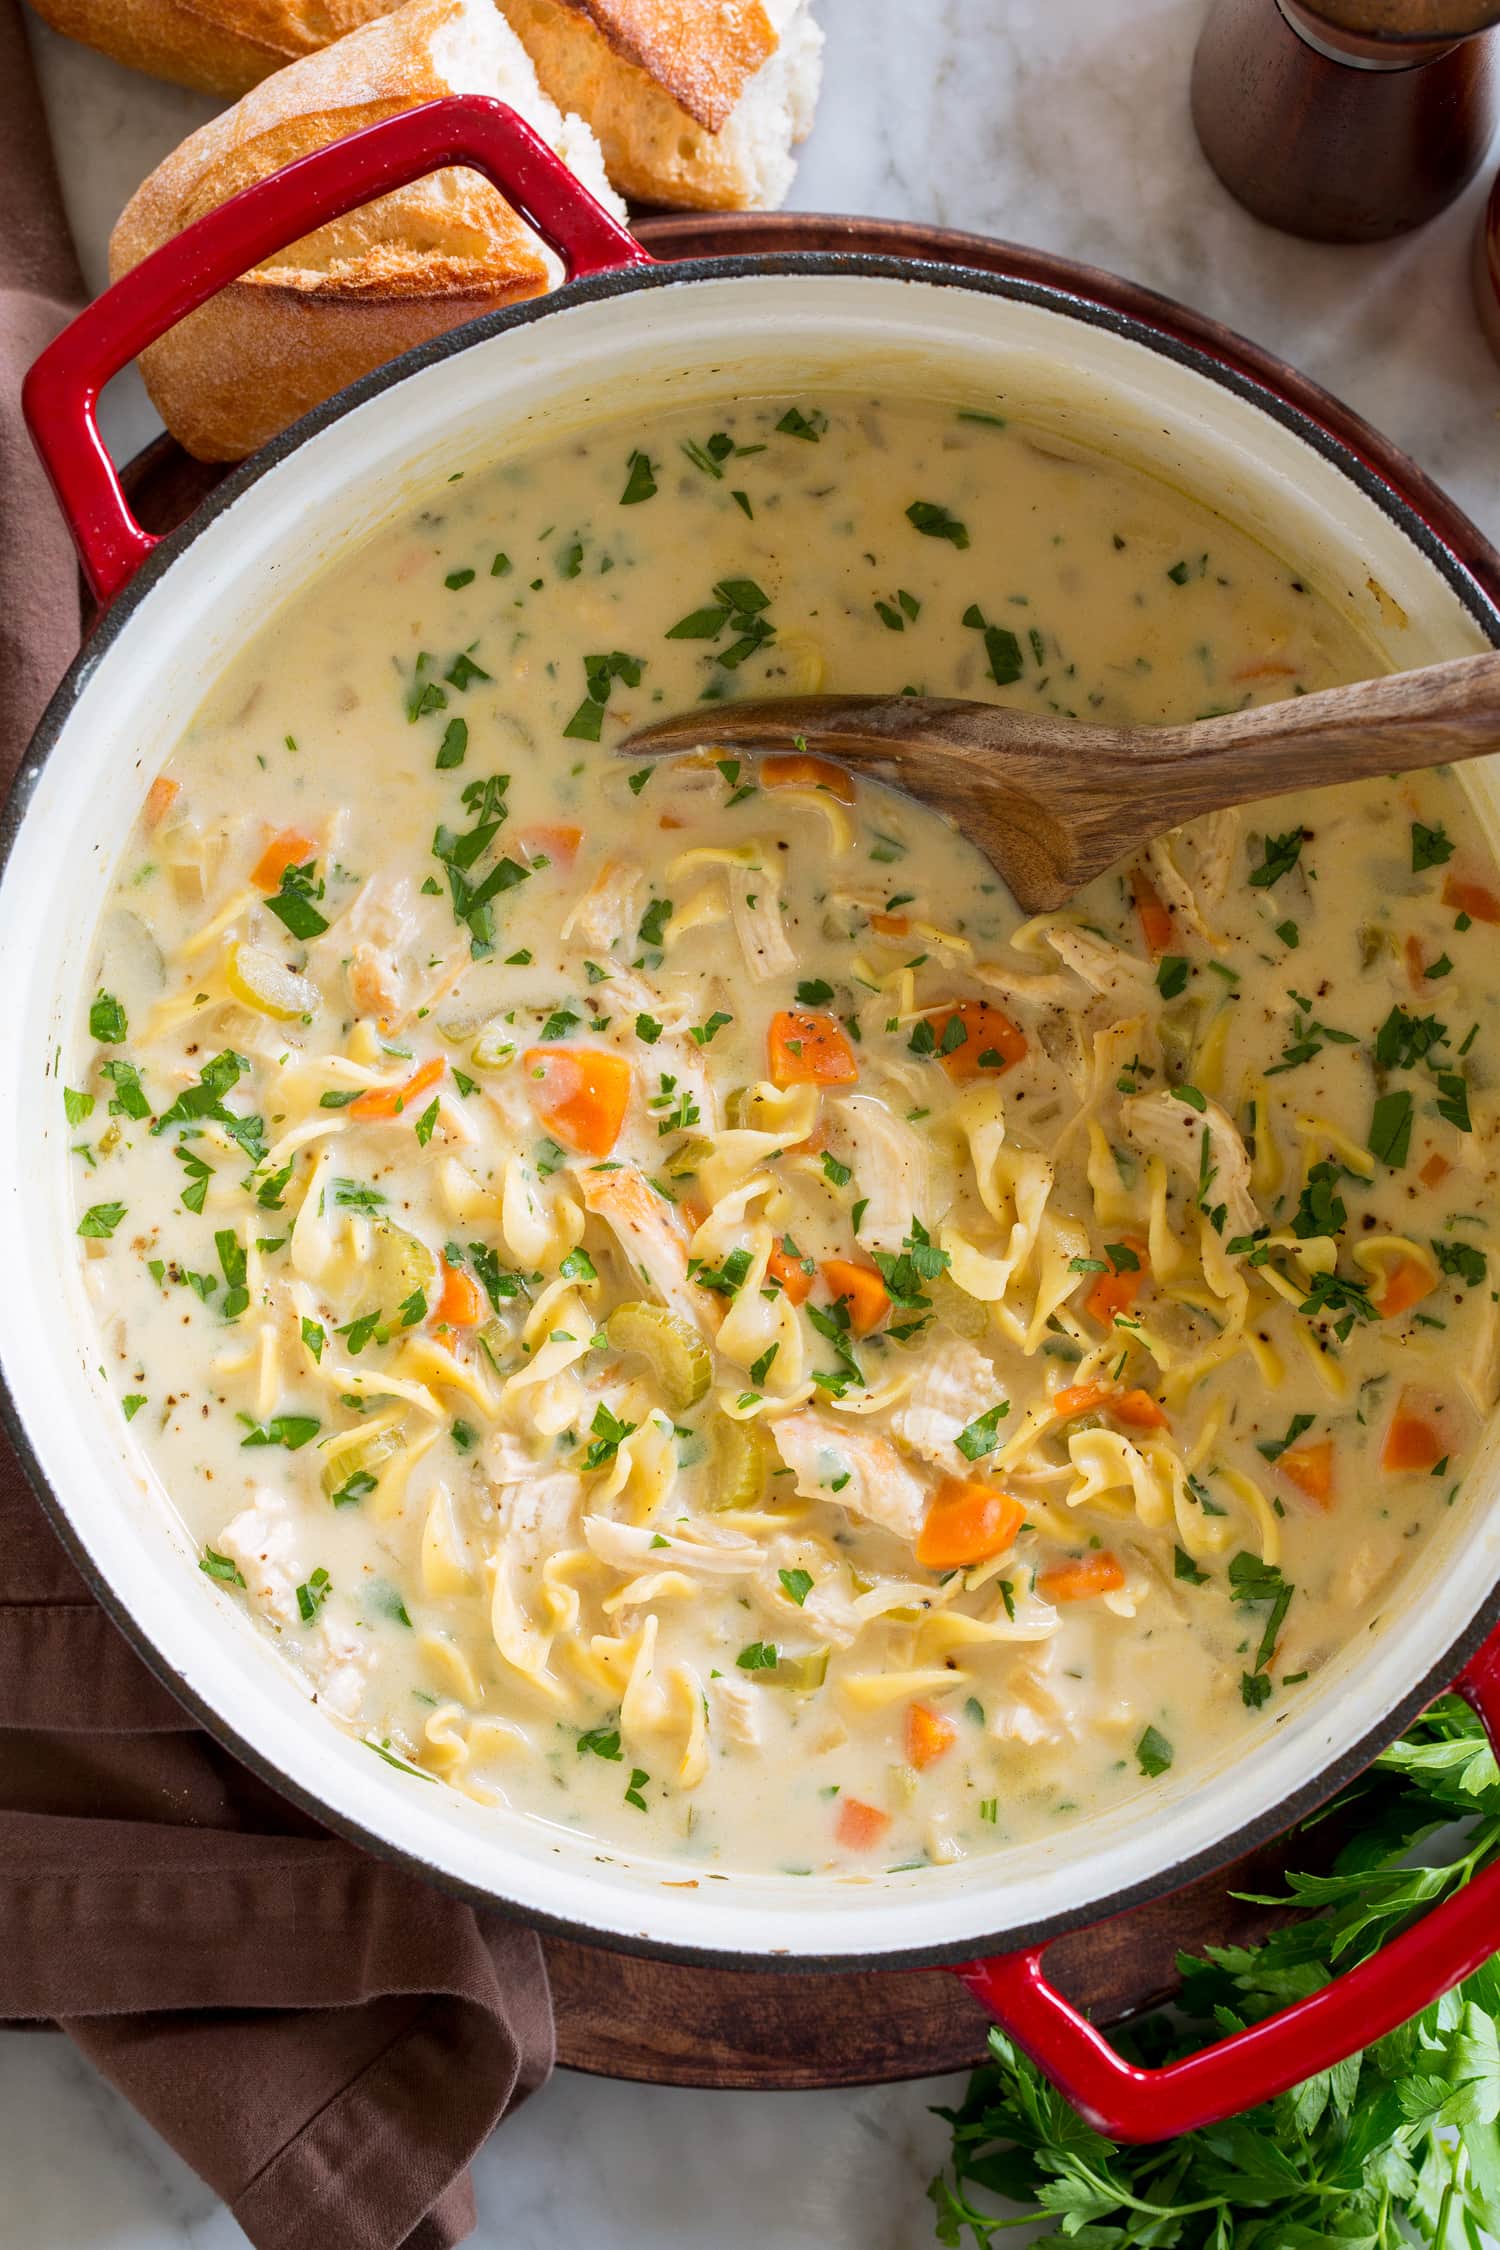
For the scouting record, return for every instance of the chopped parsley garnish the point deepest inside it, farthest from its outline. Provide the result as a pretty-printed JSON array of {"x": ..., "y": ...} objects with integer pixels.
[
  {"x": 609, "y": 1434},
  {"x": 129, "y": 1095},
  {"x": 600, "y": 674},
  {"x": 601, "y": 1742},
  {"x": 232, "y": 1265},
  {"x": 1153, "y": 1753},
  {"x": 1430, "y": 847},
  {"x": 1171, "y": 975},
  {"x": 1000, "y": 646},
  {"x": 796, "y": 1585},
  {"x": 77, "y": 1106},
  {"x": 460, "y": 851},
  {"x": 454, "y": 747},
  {"x": 1273, "y": 1448},
  {"x": 100, "y": 1220},
  {"x": 1389, "y": 1137},
  {"x": 1281, "y": 856},
  {"x": 654, "y": 922},
  {"x": 290, "y": 1430},
  {"x": 760, "y": 1656},
  {"x": 293, "y": 904},
  {"x": 1252, "y": 1581},
  {"x": 107, "y": 1020},
  {"x": 220, "y": 1567},
  {"x": 640, "y": 482},
  {"x": 1462, "y": 1261},
  {"x": 936, "y": 523},
  {"x": 980, "y": 1436},
  {"x": 810, "y": 427},
  {"x": 738, "y": 603},
  {"x": 312, "y": 1595}
]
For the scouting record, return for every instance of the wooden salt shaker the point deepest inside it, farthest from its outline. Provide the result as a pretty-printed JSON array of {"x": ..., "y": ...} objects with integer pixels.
[{"x": 1346, "y": 120}]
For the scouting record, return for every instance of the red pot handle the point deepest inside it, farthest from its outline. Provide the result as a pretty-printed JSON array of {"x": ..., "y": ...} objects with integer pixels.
[
  {"x": 1234, "y": 2074},
  {"x": 61, "y": 392}
]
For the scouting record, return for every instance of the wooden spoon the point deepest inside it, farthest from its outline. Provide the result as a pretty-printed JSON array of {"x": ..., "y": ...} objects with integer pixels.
[{"x": 1052, "y": 802}]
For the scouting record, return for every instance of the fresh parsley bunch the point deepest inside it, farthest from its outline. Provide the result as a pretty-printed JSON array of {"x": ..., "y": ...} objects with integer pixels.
[{"x": 1398, "y": 2145}]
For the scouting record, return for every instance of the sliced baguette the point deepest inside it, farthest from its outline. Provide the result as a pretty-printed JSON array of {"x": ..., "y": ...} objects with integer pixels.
[
  {"x": 219, "y": 46},
  {"x": 695, "y": 102},
  {"x": 355, "y": 294}
]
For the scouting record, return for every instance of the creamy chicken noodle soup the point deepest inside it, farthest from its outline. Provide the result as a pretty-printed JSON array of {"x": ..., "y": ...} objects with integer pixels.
[{"x": 676, "y": 1308}]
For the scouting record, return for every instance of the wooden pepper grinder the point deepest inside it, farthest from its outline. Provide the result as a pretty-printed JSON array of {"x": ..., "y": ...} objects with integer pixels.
[{"x": 1346, "y": 120}]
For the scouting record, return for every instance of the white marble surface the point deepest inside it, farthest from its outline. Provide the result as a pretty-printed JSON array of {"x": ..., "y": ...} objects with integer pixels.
[{"x": 1059, "y": 122}]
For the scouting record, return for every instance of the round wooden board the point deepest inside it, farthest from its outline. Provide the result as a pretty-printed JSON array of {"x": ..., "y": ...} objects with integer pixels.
[{"x": 622, "y": 2016}]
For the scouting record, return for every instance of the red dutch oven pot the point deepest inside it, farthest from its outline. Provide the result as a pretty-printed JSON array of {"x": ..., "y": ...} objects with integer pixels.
[{"x": 1275, "y": 443}]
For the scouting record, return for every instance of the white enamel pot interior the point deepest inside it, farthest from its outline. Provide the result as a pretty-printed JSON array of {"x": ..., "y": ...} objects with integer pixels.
[{"x": 623, "y": 347}]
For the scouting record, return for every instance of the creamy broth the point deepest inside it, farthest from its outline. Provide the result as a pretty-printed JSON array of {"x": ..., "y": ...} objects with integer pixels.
[{"x": 674, "y": 1307}]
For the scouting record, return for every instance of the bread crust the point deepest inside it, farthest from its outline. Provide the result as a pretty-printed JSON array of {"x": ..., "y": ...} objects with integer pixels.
[
  {"x": 217, "y": 46},
  {"x": 700, "y": 53},
  {"x": 354, "y": 294},
  {"x": 659, "y": 146}
]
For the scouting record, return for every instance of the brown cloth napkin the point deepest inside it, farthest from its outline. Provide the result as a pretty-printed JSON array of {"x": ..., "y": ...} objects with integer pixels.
[{"x": 325, "y": 2040}]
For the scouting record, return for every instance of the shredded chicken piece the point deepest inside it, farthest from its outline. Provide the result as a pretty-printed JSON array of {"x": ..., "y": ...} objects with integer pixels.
[
  {"x": 342, "y": 1665},
  {"x": 755, "y": 902},
  {"x": 890, "y": 1163},
  {"x": 1163, "y": 1125},
  {"x": 262, "y": 1542},
  {"x": 1175, "y": 890},
  {"x": 709, "y": 1553},
  {"x": 542, "y": 1509},
  {"x": 608, "y": 913},
  {"x": 1108, "y": 969},
  {"x": 737, "y": 1710},
  {"x": 858, "y": 1469},
  {"x": 647, "y": 1231},
  {"x": 952, "y": 1383},
  {"x": 1030, "y": 988}
]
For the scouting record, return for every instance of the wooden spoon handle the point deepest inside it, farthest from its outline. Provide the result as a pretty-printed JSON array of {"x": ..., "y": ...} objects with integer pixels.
[{"x": 1432, "y": 717}]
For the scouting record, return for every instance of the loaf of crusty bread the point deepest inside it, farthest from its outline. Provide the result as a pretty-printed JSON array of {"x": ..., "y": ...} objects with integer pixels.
[
  {"x": 695, "y": 102},
  {"x": 358, "y": 292},
  {"x": 219, "y": 46}
]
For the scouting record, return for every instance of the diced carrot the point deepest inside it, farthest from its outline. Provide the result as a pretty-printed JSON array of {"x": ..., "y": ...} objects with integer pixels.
[
  {"x": 1406, "y": 1284},
  {"x": 580, "y": 1094},
  {"x": 991, "y": 1042},
  {"x": 1416, "y": 967},
  {"x": 556, "y": 841},
  {"x": 891, "y": 925},
  {"x": 1435, "y": 1170},
  {"x": 1412, "y": 1440},
  {"x": 791, "y": 1273},
  {"x": 860, "y": 1826},
  {"x": 815, "y": 1142},
  {"x": 289, "y": 847},
  {"x": 160, "y": 798},
  {"x": 695, "y": 1210},
  {"x": 928, "y": 1735},
  {"x": 799, "y": 770},
  {"x": 1310, "y": 1469},
  {"x": 394, "y": 1101},
  {"x": 862, "y": 1289},
  {"x": 1157, "y": 926},
  {"x": 967, "y": 1523},
  {"x": 459, "y": 1304},
  {"x": 1079, "y": 1581},
  {"x": 1473, "y": 899},
  {"x": 1116, "y": 1291},
  {"x": 1137, "y": 1408},
  {"x": 1269, "y": 668},
  {"x": 805, "y": 1049},
  {"x": 671, "y": 820}
]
